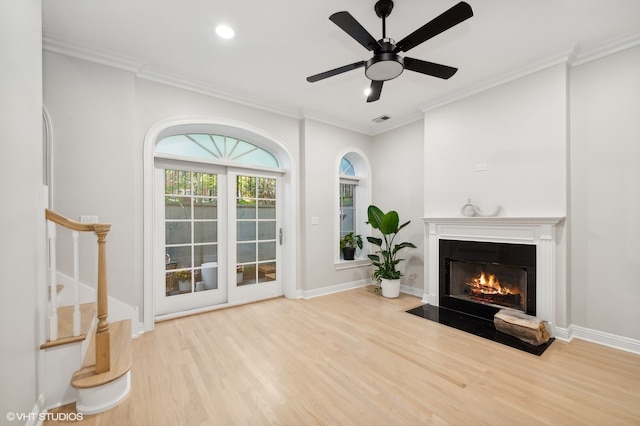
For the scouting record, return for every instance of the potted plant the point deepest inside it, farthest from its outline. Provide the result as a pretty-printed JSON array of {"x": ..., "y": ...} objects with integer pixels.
[
  {"x": 348, "y": 244},
  {"x": 184, "y": 280},
  {"x": 386, "y": 259}
]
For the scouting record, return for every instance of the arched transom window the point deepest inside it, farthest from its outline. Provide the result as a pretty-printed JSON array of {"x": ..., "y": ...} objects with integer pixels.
[{"x": 218, "y": 148}]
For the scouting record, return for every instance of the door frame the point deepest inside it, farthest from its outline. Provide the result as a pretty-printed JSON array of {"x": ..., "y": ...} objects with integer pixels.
[{"x": 242, "y": 130}]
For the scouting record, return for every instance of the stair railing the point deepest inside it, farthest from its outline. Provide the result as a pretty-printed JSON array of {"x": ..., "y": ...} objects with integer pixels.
[{"x": 102, "y": 341}]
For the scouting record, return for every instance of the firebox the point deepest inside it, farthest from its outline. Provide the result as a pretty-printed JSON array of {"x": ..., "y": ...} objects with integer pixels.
[{"x": 479, "y": 278}]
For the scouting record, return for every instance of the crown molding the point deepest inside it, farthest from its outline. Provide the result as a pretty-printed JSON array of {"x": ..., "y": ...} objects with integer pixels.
[
  {"x": 90, "y": 54},
  {"x": 573, "y": 57},
  {"x": 210, "y": 90},
  {"x": 137, "y": 67},
  {"x": 510, "y": 76},
  {"x": 618, "y": 44}
]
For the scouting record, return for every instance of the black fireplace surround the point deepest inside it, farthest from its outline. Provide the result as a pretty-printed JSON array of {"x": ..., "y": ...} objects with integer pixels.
[{"x": 499, "y": 255}]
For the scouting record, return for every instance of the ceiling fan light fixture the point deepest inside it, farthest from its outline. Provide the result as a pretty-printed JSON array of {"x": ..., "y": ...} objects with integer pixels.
[{"x": 384, "y": 66}]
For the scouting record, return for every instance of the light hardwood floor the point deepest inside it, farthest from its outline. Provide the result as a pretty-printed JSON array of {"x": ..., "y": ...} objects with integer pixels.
[{"x": 355, "y": 358}]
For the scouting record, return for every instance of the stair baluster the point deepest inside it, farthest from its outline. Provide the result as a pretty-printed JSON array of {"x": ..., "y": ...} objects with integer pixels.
[
  {"x": 76, "y": 282},
  {"x": 53, "y": 293},
  {"x": 103, "y": 345}
]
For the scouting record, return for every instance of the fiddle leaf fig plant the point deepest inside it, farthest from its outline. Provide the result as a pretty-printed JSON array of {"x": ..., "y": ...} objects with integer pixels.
[{"x": 386, "y": 258}]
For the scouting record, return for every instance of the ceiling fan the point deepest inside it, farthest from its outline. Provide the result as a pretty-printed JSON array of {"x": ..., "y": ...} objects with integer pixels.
[{"x": 386, "y": 64}]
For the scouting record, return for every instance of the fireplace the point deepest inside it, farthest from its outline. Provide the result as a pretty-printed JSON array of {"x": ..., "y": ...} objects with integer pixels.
[
  {"x": 535, "y": 235},
  {"x": 479, "y": 278}
]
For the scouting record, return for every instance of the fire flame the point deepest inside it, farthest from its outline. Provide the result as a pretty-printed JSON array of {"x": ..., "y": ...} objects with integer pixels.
[{"x": 489, "y": 284}]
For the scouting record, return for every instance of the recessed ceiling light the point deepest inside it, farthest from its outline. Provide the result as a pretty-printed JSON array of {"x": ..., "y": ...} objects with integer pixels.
[{"x": 225, "y": 31}]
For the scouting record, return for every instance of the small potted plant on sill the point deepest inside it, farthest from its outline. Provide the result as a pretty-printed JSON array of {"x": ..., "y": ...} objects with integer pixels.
[
  {"x": 348, "y": 244},
  {"x": 386, "y": 259}
]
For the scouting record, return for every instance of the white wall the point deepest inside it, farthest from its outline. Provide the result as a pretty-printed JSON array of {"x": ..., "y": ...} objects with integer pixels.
[
  {"x": 22, "y": 223},
  {"x": 398, "y": 182},
  {"x": 519, "y": 130},
  {"x": 92, "y": 116},
  {"x": 323, "y": 145},
  {"x": 605, "y": 194}
]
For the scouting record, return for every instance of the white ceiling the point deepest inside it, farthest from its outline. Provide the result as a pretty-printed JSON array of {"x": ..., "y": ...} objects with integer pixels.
[{"x": 279, "y": 43}]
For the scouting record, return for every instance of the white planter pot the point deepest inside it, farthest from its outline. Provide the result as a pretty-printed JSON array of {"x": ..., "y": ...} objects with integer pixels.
[
  {"x": 390, "y": 288},
  {"x": 184, "y": 285}
]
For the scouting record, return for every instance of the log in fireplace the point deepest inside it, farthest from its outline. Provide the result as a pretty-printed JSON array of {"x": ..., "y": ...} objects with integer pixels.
[{"x": 480, "y": 278}]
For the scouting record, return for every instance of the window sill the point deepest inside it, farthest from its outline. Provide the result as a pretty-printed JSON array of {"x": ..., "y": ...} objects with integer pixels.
[{"x": 347, "y": 264}]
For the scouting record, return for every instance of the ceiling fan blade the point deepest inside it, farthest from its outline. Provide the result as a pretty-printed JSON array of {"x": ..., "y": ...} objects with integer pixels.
[
  {"x": 458, "y": 13},
  {"x": 352, "y": 27},
  {"x": 376, "y": 88},
  {"x": 331, "y": 73},
  {"x": 429, "y": 68}
]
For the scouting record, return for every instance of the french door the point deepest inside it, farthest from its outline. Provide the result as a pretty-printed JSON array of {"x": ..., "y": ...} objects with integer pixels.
[{"x": 219, "y": 237}]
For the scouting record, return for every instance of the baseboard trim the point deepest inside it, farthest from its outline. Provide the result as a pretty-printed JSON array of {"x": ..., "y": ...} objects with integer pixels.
[
  {"x": 309, "y": 294},
  {"x": 38, "y": 412},
  {"x": 599, "y": 337}
]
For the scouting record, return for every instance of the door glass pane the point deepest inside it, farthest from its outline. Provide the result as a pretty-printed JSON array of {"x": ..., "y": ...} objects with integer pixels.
[
  {"x": 246, "y": 209},
  {"x": 205, "y": 232},
  {"x": 246, "y": 187},
  {"x": 246, "y": 231},
  {"x": 203, "y": 253},
  {"x": 267, "y": 251},
  {"x": 177, "y": 232},
  {"x": 267, "y": 272},
  {"x": 267, "y": 230},
  {"x": 177, "y": 207},
  {"x": 246, "y": 252},
  {"x": 205, "y": 184},
  {"x": 266, "y": 209},
  {"x": 205, "y": 208},
  {"x": 181, "y": 256},
  {"x": 246, "y": 274}
]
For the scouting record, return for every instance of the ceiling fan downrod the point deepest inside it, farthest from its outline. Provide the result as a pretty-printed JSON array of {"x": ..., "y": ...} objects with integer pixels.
[{"x": 383, "y": 9}]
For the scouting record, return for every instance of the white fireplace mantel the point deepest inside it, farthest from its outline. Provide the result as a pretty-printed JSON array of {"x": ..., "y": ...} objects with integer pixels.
[{"x": 538, "y": 231}]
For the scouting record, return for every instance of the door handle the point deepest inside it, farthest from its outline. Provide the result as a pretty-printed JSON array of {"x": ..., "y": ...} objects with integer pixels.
[{"x": 280, "y": 236}]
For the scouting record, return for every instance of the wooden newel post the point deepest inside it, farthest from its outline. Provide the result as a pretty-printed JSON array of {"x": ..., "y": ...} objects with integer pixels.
[{"x": 103, "y": 344}]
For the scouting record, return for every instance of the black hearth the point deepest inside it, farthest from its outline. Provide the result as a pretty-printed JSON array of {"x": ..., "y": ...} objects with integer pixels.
[{"x": 480, "y": 278}]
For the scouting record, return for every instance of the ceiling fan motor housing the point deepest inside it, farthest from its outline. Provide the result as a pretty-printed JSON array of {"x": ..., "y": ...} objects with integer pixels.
[{"x": 384, "y": 66}]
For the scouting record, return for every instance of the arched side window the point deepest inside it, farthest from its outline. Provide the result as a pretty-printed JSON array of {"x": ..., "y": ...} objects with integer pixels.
[{"x": 353, "y": 200}]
